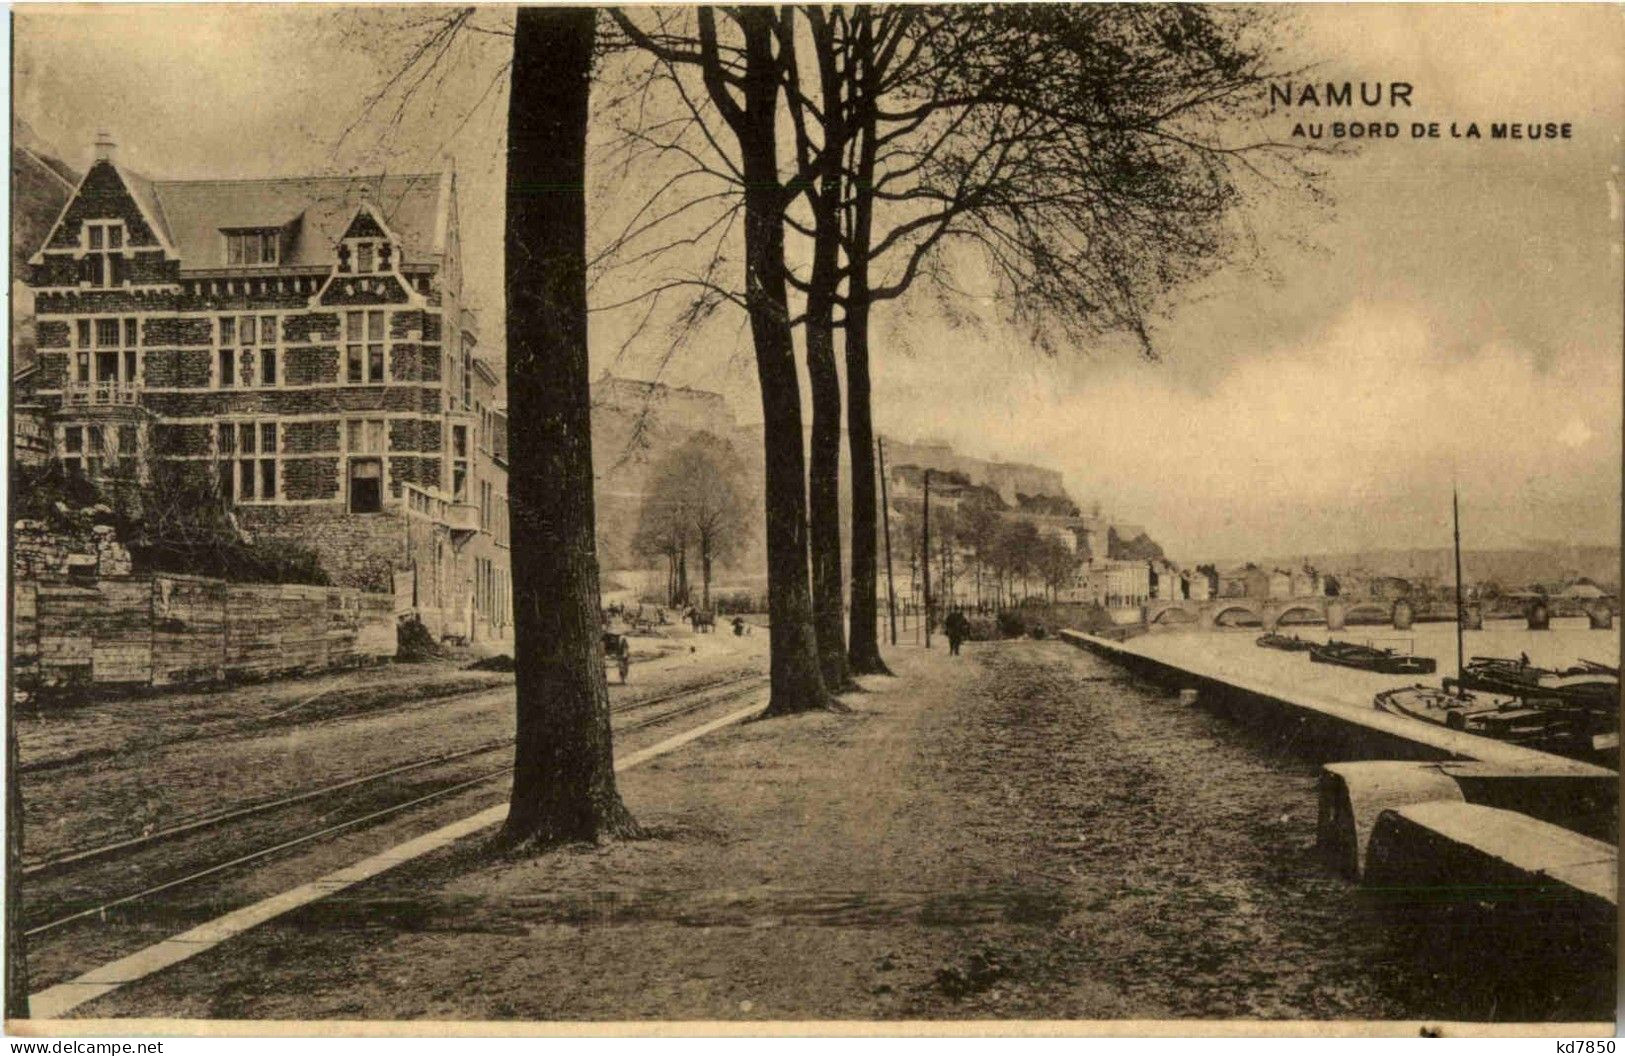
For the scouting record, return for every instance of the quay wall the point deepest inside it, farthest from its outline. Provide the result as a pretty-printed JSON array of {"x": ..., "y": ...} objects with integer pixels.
[
  {"x": 163, "y": 630},
  {"x": 1377, "y": 761},
  {"x": 1322, "y": 730}
]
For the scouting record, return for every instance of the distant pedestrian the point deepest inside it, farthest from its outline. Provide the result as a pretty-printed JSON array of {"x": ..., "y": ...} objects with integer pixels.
[{"x": 958, "y": 629}]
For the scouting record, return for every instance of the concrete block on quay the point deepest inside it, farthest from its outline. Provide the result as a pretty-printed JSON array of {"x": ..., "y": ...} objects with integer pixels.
[
  {"x": 1511, "y": 912},
  {"x": 1354, "y": 795},
  {"x": 1465, "y": 854}
]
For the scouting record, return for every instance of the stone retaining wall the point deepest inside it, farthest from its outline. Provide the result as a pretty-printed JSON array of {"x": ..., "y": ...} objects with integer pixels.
[{"x": 172, "y": 630}]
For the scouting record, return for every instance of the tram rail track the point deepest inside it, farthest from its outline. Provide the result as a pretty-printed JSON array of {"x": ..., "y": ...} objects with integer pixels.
[
  {"x": 708, "y": 695},
  {"x": 55, "y": 863},
  {"x": 250, "y": 725}
]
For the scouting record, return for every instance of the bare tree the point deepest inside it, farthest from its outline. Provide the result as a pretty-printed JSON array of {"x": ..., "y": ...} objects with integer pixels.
[
  {"x": 663, "y": 533},
  {"x": 717, "y": 504},
  {"x": 823, "y": 108},
  {"x": 695, "y": 496},
  {"x": 564, "y": 778},
  {"x": 1056, "y": 564},
  {"x": 1092, "y": 155},
  {"x": 742, "y": 79}
]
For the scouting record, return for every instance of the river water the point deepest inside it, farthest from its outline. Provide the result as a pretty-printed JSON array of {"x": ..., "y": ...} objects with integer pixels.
[{"x": 1233, "y": 652}]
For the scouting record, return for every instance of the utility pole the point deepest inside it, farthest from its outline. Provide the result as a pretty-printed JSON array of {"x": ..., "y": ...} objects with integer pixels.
[
  {"x": 885, "y": 519},
  {"x": 925, "y": 555},
  {"x": 1461, "y": 612}
]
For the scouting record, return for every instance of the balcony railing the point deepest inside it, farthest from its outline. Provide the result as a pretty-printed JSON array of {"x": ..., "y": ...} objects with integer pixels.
[
  {"x": 457, "y": 516},
  {"x": 101, "y": 393}
]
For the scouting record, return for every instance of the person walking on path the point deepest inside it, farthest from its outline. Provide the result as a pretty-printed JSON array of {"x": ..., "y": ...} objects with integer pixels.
[{"x": 958, "y": 629}]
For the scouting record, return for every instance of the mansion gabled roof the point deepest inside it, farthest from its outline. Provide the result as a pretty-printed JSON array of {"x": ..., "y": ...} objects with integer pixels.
[
  {"x": 316, "y": 210},
  {"x": 188, "y": 218}
]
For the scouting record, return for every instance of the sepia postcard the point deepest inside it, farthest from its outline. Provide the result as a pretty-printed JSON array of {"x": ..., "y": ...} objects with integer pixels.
[{"x": 929, "y": 519}]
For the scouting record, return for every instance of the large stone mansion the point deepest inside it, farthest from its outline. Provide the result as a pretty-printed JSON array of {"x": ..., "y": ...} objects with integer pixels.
[{"x": 306, "y": 340}]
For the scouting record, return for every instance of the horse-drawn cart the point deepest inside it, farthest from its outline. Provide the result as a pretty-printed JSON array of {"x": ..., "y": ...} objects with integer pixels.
[{"x": 618, "y": 651}]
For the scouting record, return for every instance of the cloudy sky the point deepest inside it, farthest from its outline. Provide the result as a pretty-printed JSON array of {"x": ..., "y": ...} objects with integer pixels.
[{"x": 1456, "y": 315}]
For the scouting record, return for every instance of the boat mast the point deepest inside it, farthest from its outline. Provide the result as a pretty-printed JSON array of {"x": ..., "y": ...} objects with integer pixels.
[{"x": 1461, "y": 612}]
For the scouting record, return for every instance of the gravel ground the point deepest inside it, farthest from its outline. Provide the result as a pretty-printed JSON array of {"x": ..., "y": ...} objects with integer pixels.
[{"x": 1019, "y": 833}]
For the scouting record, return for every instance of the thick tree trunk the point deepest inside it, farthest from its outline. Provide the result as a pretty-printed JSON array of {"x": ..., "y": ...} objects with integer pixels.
[
  {"x": 563, "y": 775},
  {"x": 863, "y": 646},
  {"x": 705, "y": 573},
  {"x": 824, "y": 484},
  {"x": 824, "y": 489},
  {"x": 797, "y": 682},
  {"x": 925, "y": 554}
]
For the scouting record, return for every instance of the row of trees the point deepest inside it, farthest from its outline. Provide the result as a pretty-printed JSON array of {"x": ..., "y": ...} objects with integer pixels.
[
  {"x": 1075, "y": 158},
  {"x": 1079, "y": 163},
  {"x": 978, "y": 555}
]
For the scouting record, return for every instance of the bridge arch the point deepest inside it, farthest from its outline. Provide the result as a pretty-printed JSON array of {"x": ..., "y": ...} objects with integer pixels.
[
  {"x": 1367, "y": 611},
  {"x": 1318, "y": 612},
  {"x": 1235, "y": 607},
  {"x": 1172, "y": 613}
]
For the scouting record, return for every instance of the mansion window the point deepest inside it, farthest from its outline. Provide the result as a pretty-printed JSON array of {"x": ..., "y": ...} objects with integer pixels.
[
  {"x": 93, "y": 449},
  {"x": 103, "y": 261},
  {"x": 459, "y": 462},
  {"x": 367, "y": 256},
  {"x": 252, "y": 248},
  {"x": 107, "y": 351},
  {"x": 364, "y": 348},
  {"x": 489, "y": 595},
  {"x": 248, "y": 455},
  {"x": 246, "y": 351}
]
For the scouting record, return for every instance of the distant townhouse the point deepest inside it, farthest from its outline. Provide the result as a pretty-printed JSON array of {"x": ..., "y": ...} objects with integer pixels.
[
  {"x": 1232, "y": 581},
  {"x": 1120, "y": 584},
  {"x": 1269, "y": 583},
  {"x": 304, "y": 339}
]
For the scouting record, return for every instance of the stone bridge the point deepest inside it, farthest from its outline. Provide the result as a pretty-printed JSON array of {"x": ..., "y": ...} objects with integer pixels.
[{"x": 1206, "y": 615}]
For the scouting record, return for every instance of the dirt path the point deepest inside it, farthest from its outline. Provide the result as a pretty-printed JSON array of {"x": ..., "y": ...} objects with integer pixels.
[{"x": 1022, "y": 833}]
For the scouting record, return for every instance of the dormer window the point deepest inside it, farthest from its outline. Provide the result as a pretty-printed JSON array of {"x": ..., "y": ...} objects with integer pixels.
[
  {"x": 253, "y": 247},
  {"x": 102, "y": 244},
  {"x": 365, "y": 256}
]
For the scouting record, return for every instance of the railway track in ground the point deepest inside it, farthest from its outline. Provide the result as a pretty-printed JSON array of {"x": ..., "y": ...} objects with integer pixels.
[{"x": 371, "y": 799}]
